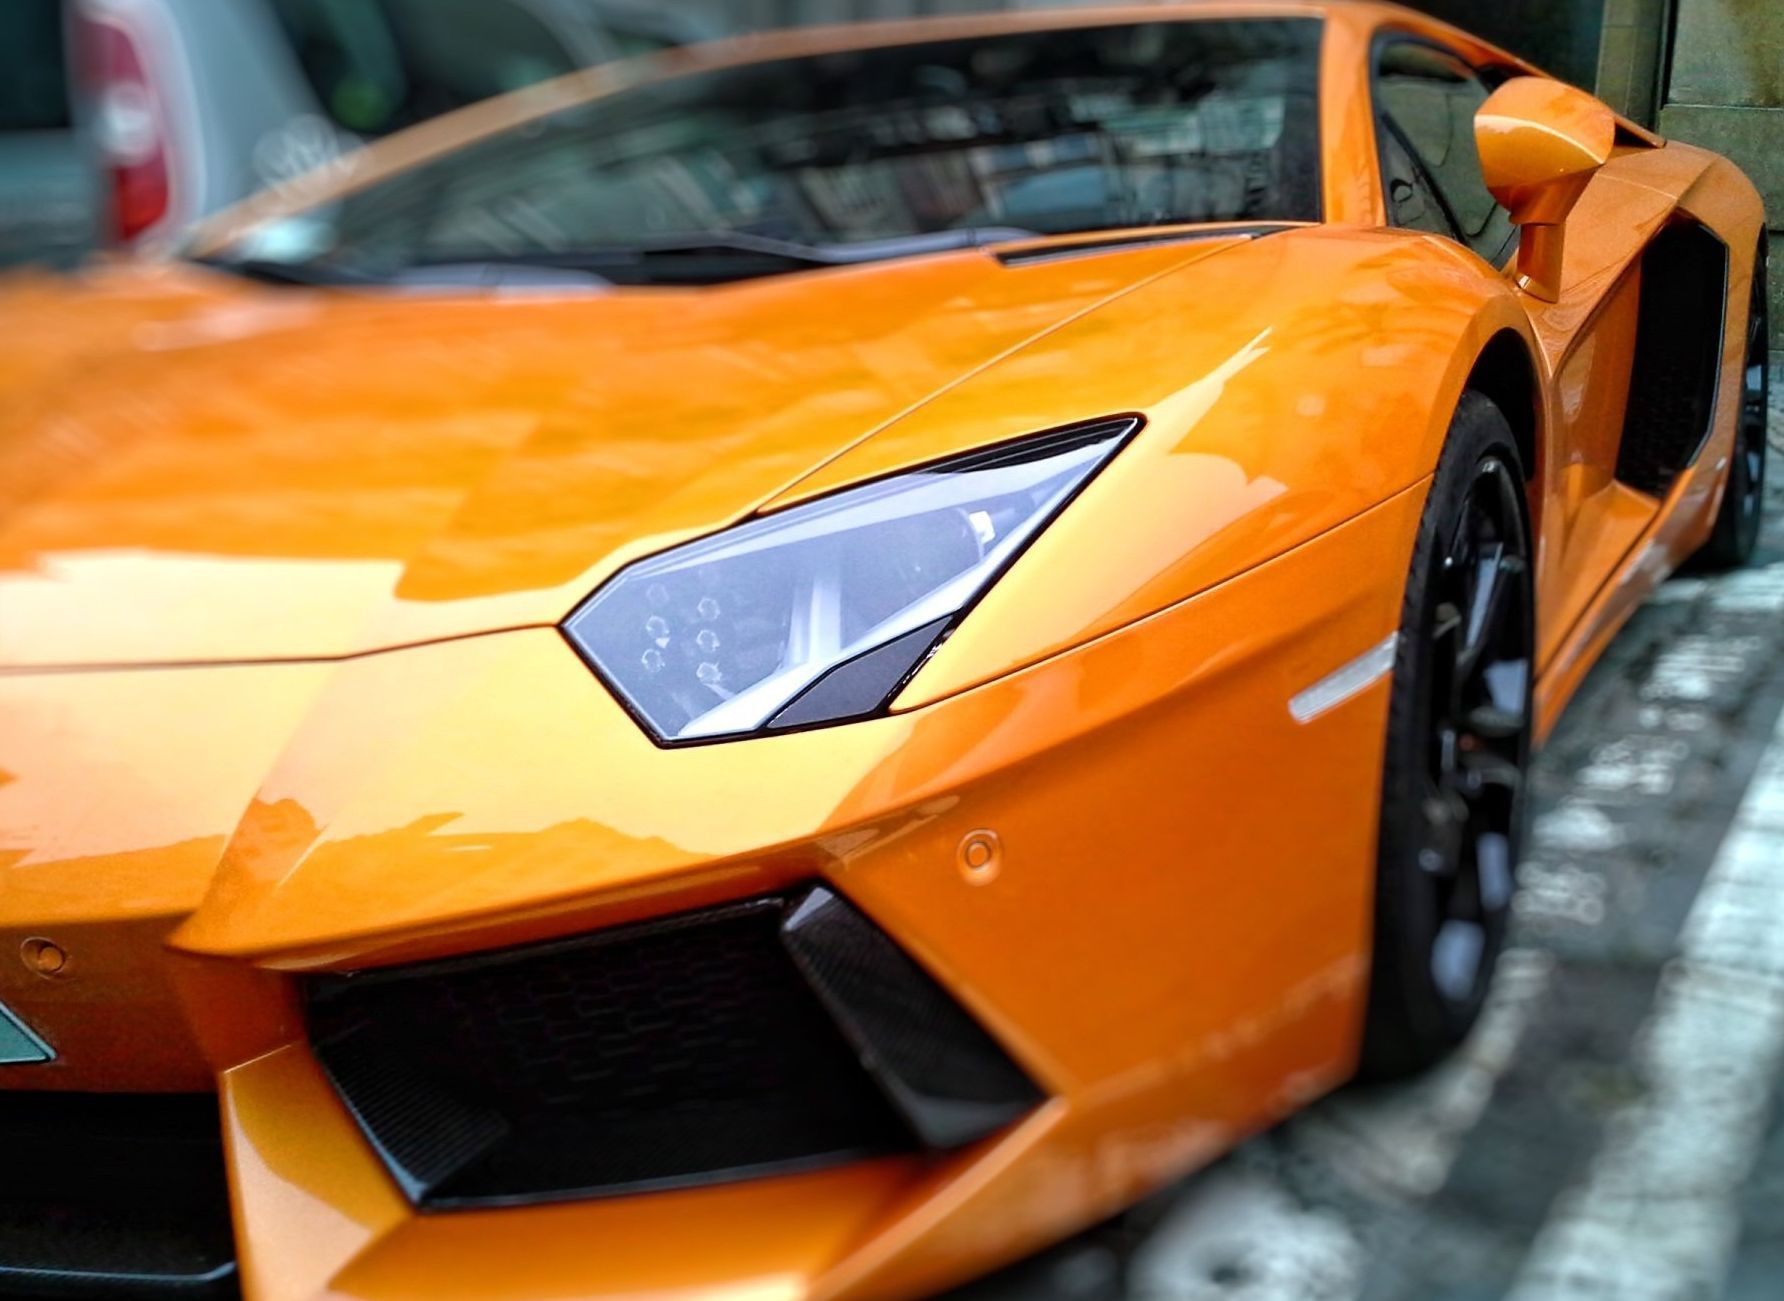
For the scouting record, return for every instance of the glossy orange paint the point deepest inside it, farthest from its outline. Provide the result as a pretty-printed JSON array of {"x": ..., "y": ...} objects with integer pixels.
[
  {"x": 1534, "y": 133},
  {"x": 1541, "y": 143},
  {"x": 281, "y": 688}
]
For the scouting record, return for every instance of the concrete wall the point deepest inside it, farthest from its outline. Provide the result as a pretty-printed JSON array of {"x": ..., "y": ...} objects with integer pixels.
[
  {"x": 1631, "y": 50},
  {"x": 1559, "y": 36},
  {"x": 1729, "y": 52},
  {"x": 1726, "y": 92}
]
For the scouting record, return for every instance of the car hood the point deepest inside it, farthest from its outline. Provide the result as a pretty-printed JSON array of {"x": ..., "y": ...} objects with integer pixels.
[{"x": 194, "y": 469}]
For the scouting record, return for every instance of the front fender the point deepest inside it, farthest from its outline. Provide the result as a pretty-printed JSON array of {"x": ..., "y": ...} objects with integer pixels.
[{"x": 1288, "y": 386}]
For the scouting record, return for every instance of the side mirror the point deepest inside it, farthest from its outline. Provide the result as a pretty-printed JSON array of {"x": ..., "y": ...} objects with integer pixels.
[{"x": 1540, "y": 143}]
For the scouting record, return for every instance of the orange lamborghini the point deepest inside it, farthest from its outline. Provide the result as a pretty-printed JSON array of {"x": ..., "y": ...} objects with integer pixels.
[{"x": 787, "y": 671}]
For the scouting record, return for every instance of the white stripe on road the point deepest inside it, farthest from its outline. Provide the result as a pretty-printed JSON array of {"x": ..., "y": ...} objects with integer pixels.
[
  {"x": 1657, "y": 1215},
  {"x": 1241, "y": 1233},
  {"x": 1238, "y": 1235}
]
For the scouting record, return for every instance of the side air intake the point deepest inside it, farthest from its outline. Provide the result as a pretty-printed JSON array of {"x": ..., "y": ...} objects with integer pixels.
[{"x": 1678, "y": 357}]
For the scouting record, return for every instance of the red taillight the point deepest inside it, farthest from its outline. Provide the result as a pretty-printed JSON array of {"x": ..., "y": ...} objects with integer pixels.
[{"x": 129, "y": 123}]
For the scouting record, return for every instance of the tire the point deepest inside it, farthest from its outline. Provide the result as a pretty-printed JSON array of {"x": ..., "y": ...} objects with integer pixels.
[
  {"x": 1458, "y": 750},
  {"x": 1736, "y": 533}
]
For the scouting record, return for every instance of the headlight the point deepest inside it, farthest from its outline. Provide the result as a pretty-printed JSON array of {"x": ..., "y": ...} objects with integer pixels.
[{"x": 819, "y": 613}]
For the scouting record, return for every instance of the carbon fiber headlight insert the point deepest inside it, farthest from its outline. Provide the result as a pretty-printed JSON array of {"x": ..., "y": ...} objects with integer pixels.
[{"x": 771, "y": 1035}]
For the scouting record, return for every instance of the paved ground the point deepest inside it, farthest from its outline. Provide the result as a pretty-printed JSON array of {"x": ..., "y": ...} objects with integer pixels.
[{"x": 1615, "y": 1130}]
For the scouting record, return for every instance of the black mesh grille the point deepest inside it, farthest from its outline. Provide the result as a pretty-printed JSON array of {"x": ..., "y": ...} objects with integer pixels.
[
  {"x": 113, "y": 1196},
  {"x": 1678, "y": 358},
  {"x": 648, "y": 1056}
]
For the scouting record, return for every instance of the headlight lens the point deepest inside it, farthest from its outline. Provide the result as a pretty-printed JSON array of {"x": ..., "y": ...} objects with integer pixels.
[{"x": 819, "y": 613}]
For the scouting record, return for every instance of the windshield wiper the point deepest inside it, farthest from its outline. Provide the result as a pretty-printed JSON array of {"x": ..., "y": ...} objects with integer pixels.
[
  {"x": 274, "y": 272},
  {"x": 457, "y": 273},
  {"x": 831, "y": 254},
  {"x": 695, "y": 257}
]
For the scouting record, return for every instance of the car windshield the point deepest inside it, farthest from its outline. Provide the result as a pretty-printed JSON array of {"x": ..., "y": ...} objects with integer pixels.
[{"x": 771, "y": 166}]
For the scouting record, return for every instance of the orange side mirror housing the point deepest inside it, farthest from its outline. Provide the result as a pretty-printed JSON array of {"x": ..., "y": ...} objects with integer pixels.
[{"x": 1541, "y": 142}]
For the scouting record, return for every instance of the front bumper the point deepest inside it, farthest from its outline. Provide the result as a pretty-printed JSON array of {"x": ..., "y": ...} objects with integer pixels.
[{"x": 1129, "y": 863}]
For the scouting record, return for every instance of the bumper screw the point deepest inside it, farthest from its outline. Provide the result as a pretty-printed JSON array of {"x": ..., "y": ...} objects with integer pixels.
[
  {"x": 980, "y": 857},
  {"x": 47, "y": 958}
]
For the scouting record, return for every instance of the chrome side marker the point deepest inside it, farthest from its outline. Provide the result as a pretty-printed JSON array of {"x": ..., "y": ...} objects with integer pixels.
[{"x": 1353, "y": 679}]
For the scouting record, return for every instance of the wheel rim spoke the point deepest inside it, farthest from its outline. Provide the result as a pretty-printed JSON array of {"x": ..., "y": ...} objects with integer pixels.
[
  {"x": 1483, "y": 772},
  {"x": 1477, "y": 698},
  {"x": 1749, "y": 470},
  {"x": 1456, "y": 957},
  {"x": 1496, "y": 870},
  {"x": 1491, "y": 723},
  {"x": 1508, "y": 685},
  {"x": 1488, "y": 590}
]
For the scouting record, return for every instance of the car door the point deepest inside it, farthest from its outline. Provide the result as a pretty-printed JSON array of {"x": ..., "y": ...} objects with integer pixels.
[{"x": 1426, "y": 98}]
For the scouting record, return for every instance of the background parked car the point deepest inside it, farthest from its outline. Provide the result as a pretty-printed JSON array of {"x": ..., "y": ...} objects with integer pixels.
[
  {"x": 123, "y": 121},
  {"x": 47, "y": 186}
]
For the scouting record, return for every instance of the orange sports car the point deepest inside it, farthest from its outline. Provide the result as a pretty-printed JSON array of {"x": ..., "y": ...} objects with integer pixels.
[{"x": 786, "y": 671}]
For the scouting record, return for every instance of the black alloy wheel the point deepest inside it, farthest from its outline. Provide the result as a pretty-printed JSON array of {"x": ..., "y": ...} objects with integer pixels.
[
  {"x": 1458, "y": 752},
  {"x": 1736, "y": 534}
]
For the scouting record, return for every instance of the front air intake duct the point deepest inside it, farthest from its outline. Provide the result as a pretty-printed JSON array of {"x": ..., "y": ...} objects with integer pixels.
[{"x": 765, "y": 1036}]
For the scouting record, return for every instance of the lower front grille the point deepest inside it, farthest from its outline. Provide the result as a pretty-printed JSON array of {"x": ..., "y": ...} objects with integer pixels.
[
  {"x": 113, "y": 1195},
  {"x": 688, "y": 1050}
]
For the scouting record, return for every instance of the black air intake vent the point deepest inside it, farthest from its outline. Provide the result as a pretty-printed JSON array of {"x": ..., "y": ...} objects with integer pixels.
[
  {"x": 689, "y": 1050},
  {"x": 113, "y": 1195},
  {"x": 1678, "y": 357}
]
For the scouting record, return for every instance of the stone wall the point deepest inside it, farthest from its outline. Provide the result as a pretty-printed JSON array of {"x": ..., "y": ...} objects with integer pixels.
[
  {"x": 1559, "y": 36},
  {"x": 1729, "y": 52},
  {"x": 1726, "y": 92},
  {"x": 1630, "y": 54}
]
